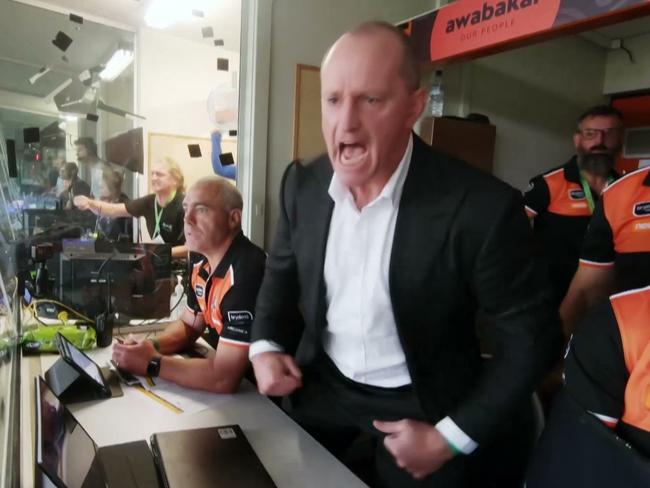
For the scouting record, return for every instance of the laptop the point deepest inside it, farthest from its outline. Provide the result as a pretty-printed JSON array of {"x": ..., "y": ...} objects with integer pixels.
[
  {"x": 68, "y": 457},
  {"x": 211, "y": 457}
]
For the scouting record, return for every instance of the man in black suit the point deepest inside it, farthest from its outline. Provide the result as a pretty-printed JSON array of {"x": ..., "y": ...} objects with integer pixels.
[{"x": 388, "y": 250}]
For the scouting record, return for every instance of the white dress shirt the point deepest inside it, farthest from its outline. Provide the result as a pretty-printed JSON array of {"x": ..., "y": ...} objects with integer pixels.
[{"x": 361, "y": 335}]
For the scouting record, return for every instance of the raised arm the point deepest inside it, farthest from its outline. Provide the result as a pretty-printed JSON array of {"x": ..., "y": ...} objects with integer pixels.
[{"x": 103, "y": 209}]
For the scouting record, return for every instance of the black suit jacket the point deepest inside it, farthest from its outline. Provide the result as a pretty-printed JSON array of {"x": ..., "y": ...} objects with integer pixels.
[{"x": 462, "y": 243}]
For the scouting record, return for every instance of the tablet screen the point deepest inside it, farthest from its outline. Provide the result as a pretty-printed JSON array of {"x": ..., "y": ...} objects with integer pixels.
[
  {"x": 81, "y": 360},
  {"x": 64, "y": 450}
]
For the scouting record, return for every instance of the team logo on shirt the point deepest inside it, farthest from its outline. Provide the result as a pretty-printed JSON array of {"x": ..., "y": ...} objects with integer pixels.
[
  {"x": 642, "y": 208},
  {"x": 167, "y": 227},
  {"x": 240, "y": 317},
  {"x": 199, "y": 290},
  {"x": 576, "y": 194}
]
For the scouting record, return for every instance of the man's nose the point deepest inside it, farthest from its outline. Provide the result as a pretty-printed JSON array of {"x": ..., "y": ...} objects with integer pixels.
[{"x": 349, "y": 115}]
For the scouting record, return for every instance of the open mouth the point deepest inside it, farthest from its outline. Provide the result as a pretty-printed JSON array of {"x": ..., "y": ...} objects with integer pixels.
[{"x": 352, "y": 153}]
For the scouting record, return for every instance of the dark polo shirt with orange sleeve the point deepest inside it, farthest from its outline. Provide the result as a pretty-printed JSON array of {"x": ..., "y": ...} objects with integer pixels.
[{"x": 619, "y": 234}]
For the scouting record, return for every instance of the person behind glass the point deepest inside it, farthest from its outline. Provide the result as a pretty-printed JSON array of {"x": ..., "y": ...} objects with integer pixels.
[
  {"x": 389, "y": 250},
  {"x": 162, "y": 209},
  {"x": 54, "y": 174},
  {"x": 87, "y": 156},
  {"x": 73, "y": 186},
  {"x": 110, "y": 191},
  {"x": 229, "y": 171}
]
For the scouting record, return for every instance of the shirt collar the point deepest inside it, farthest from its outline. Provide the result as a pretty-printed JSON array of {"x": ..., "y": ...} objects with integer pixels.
[{"x": 392, "y": 189}]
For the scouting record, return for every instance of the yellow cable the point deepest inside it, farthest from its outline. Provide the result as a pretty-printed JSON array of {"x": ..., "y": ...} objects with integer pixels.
[{"x": 69, "y": 309}]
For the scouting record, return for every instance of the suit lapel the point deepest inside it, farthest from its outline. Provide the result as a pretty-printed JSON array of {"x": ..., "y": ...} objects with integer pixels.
[
  {"x": 316, "y": 220},
  {"x": 424, "y": 220}
]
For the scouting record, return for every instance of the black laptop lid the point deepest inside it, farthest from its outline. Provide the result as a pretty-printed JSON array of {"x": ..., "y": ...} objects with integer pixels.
[
  {"x": 64, "y": 450},
  {"x": 213, "y": 457},
  {"x": 69, "y": 457}
]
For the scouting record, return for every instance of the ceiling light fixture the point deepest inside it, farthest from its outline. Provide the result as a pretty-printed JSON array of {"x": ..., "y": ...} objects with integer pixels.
[
  {"x": 119, "y": 61},
  {"x": 41, "y": 72}
]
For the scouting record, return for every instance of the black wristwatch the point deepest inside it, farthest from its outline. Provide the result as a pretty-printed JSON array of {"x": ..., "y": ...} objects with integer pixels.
[{"x": 153, "y": 368}]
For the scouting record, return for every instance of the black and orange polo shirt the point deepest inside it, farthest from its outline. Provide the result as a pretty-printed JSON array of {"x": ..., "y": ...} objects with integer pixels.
[
  {"x": 619, "y": 233},
  {"x": 607, "y": 364},
  {"x": 226, "y": 296},
  {"x": 558, "y": 206}
]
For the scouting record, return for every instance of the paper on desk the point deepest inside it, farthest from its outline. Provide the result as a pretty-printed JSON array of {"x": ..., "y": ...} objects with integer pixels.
[{"x": 188, "y": 400}]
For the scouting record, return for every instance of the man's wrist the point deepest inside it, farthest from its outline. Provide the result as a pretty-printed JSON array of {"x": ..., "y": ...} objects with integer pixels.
[
  {"x": 455, "y": 437},
  {"x": 155, "y": 343},
  {"x": 452, "y": 447}
]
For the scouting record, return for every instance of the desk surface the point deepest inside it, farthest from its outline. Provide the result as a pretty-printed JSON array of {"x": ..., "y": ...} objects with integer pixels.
[{"x": 290, "y": 455}]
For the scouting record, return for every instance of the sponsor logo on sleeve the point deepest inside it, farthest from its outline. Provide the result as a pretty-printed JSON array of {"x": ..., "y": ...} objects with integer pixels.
[
  {"x": 576, "y": 194},
  {"x": 240, "y": 317},
  {"x": 642, "y": 208},
  {"x": 199, "y": 291}
]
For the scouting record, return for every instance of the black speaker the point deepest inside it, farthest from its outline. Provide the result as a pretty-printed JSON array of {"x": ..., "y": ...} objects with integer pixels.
[
  {"x": 31, "y": 134},
  {"x": 11, "y": 159}
]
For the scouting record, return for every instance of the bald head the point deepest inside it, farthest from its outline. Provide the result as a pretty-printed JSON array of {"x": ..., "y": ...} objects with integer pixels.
[
  {"x": 383, "y": 31},
  {"x": 226, "y": 195},
  {"x": 212, "y": 217}
]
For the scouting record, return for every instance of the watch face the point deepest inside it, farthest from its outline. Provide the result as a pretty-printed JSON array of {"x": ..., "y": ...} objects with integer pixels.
[{"x": 153, "y": 368}]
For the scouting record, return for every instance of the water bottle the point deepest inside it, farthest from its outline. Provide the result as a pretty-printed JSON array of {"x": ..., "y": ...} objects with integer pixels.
[
  {"x": 436, "y": 96},
  {"x": 175, "y": 313}
]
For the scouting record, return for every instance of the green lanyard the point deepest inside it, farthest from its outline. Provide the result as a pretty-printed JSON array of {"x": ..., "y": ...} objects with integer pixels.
[
  {"x": 587, "y": 191},
  {"x": 158, "y": 211}
]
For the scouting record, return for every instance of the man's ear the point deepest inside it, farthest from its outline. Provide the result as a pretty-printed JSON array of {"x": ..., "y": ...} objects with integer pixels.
[
  {"x": 234, "y": 219},
  {"x": 418, "y": 103},
  {"x": 576, "y": 140}
]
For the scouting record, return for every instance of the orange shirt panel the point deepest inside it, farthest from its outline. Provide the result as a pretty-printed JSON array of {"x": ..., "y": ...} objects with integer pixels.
[
  {"x": 632, "y": 310},
  {"x": 566, "y": 197},
  {"x": 627, "y": 209}
]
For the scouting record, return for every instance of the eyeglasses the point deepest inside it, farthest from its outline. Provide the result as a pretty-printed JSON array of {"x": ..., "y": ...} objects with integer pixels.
[{"x": 608, "y": 133}]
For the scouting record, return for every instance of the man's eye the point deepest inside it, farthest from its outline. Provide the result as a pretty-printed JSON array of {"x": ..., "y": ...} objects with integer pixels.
[
  {"x": 371, "y": 100},
  {"x": 332, "y": 100}
]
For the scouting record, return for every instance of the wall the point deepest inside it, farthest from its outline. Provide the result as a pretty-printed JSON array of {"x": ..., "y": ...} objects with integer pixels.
[
  {"x": 623, "y": 76},
  {"x": 175, "y": 77},
  {"x": 301, "y": 33},
  {"x": 533, "y": 95}
]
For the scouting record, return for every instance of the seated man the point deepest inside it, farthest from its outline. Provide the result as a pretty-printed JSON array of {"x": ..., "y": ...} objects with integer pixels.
[
  {"x": 222, "y": 295},
  {"x": 598, "y": 434}
]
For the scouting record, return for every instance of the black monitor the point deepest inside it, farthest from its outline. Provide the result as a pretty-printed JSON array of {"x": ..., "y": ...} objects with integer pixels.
[
  {"x": 126, "y": 150},
  {"x": 137, "y": 277},
  {"x": 64, "y": 450}
]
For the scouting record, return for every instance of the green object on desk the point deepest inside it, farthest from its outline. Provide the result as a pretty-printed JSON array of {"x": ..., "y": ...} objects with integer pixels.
[{"x": 42, "y": 339}]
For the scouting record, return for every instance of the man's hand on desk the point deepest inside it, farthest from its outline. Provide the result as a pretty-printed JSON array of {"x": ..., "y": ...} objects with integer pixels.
[
  {"x": 417, "y": 447},
  {"x": 277, "y": 374},
  {"x": 134, "y": 357}
]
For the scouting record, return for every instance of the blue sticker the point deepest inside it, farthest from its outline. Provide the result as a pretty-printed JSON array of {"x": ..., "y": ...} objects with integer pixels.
[
  {"x": 576, "y": 194},
  {"x": 198, "y": 291},
  {"x": 642, "y": 208}
]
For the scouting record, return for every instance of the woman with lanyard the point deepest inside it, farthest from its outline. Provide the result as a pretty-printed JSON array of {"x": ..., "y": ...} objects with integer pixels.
[{"x": 162, "y": 210}]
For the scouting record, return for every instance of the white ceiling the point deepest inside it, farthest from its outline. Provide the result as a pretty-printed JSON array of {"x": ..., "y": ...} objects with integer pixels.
[
  {"x": 632, "y": 28},
  {"x": 27, "y": 28},
  {"x": 26, "y": 35},
  {"x": 224, "y": 16}
]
